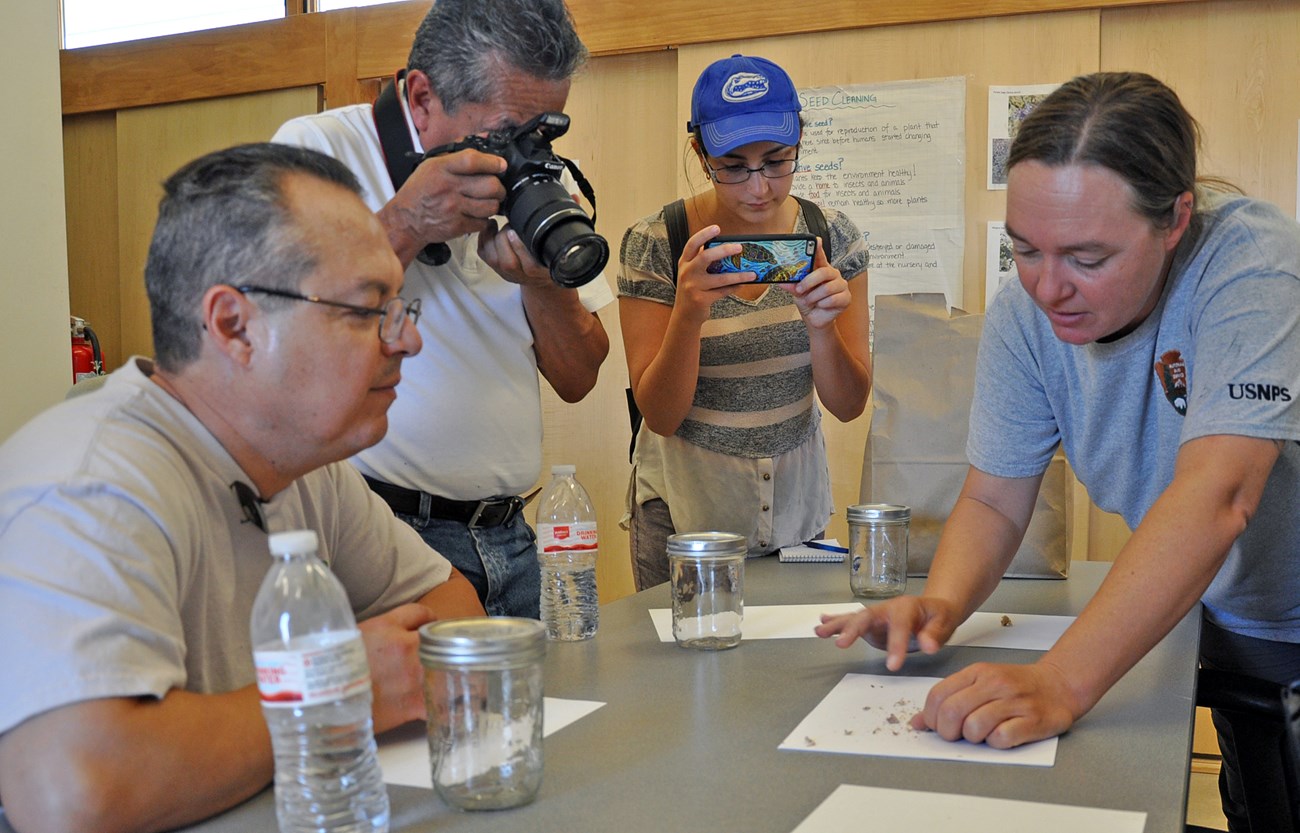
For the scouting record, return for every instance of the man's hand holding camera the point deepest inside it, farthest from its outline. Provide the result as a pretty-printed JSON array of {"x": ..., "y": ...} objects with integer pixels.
[
  {"x": 547, "y": 222},
  {"x": 503, "y": 250},
  {"x": 445, "y": 198},
  {"x": 549, "y": 248}
]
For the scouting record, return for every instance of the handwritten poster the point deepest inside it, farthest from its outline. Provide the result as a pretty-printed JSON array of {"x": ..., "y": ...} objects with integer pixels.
[{"x": 892, "y": 157}]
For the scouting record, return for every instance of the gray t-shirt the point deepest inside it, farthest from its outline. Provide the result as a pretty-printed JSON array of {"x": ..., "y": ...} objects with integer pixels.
[
  {"x": 127, "y": 568},
  {"x": 1220, "y": 354}
]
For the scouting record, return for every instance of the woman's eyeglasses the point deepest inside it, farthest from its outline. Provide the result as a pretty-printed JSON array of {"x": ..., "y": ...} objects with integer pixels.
[{"x": 736, "y": 174}]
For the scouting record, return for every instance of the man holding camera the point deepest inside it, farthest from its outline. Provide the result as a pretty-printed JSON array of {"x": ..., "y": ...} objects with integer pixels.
[{"x": 465, "y": 435}]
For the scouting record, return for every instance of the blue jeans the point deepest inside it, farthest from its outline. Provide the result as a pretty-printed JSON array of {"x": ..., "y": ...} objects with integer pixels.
[
  {"x": 500, "y": 561},
  {"x": 1251, "y": 748}
]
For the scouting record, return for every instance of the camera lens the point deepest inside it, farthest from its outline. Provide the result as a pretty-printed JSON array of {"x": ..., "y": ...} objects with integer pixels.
[
  {"x": 557, "y": 232},
  {"x": 579, "y": 255}
]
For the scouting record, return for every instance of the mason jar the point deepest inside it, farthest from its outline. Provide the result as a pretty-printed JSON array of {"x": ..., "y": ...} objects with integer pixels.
[
  {"x": 483, "y": 692},
  {"x": 707, "y": 580},
  {"x": 878, "y": 549}
]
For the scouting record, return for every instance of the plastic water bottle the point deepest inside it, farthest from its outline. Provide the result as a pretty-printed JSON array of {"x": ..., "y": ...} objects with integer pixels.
[
  {"x": 566, "y": 549},
  {"x": 315, "y": 686}
]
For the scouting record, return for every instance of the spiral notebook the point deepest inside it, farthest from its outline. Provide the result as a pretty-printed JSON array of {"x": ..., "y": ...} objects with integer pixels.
[{"x": 826, "y": 550}]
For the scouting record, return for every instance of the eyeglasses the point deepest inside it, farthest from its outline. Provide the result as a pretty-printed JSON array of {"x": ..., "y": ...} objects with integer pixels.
[
  {"x": 392, "y": 315},
  {"x": 736, "y": 174}
]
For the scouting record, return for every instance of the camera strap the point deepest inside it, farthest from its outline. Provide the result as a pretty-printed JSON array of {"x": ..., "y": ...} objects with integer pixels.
[
  {"x": 394, "y": 136},
  {"x": 583, "y": 185},
  {"x": 399, "y": 156}
]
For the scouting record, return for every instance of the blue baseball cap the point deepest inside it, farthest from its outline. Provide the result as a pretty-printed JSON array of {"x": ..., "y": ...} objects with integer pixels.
[{"x": 744, "y": 99}]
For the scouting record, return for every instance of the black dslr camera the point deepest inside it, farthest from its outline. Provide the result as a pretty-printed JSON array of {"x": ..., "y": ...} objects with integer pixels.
[{"x": 557, "y": 232}]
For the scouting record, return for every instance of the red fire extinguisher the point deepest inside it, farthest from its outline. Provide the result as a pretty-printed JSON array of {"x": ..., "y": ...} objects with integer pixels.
[{"x": 87, "y": 360}]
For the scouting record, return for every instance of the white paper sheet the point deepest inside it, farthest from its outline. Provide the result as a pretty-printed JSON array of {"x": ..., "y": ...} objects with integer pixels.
[
  {"x": 404, "y": 754},
  {"x": 1031, "y": 632},
  {"x": 1026, "y": 631},
  {"x": 869, "y": 714},
  {"x": 846, "y": 807},
  {"x": 766, "y": 621}
]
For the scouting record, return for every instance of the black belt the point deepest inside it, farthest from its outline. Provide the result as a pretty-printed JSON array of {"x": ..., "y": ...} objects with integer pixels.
[{"x": 497, "y": 511}]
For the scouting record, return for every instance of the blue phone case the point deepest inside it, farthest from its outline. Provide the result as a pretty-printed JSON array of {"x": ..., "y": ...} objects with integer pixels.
[{"x": 773, "y": 258}]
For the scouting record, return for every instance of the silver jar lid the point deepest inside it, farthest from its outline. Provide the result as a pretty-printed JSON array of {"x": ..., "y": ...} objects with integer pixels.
[
  {"x": 706, "y": 543},
  {"x": 483, "y": 642},
  {"x": 879, "y": 512}
]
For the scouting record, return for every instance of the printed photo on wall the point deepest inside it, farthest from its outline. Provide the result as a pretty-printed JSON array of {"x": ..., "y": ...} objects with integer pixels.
[
  {"x": 1008, "y": 107},
  {"x": 999, "y": 265}
]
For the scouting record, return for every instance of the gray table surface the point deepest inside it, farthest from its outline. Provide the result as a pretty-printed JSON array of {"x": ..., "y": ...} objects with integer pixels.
[{"x": 688, "y": 740}]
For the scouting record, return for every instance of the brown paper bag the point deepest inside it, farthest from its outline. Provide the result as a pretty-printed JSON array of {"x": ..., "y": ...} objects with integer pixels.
[{"x": 923, "y": 381}]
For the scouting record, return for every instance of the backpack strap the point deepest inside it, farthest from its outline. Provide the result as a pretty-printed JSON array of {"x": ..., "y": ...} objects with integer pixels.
[
  {"x": 678, "y": 231},
  {"x": 634, "y": 417},
  {"x": 816, "y": 222}
]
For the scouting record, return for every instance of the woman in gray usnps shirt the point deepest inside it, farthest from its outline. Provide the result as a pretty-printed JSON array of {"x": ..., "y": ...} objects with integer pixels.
[{"x": 1155, "y": 336}]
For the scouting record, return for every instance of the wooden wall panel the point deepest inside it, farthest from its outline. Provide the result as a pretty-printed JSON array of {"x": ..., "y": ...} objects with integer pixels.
[
  {"x": 1236, "y": 66},
  {"x": 90, "y": 194},
  {"x": 153, "y": 142},
  {"x": 272, "y": 55},
  {"x": 296, "y": 51},
  {"x": 342, "y": 84},
  {"x": 624, "y": 137},
  {"x": 384, "y": 35},
  {"x": 625, "y": 25}
]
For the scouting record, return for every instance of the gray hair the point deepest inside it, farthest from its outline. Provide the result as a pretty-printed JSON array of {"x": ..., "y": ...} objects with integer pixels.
[
  {"x": 462, "y": 46},
  {"x": 223, "y": 219},
  {"x": 1128, "y": 122}
]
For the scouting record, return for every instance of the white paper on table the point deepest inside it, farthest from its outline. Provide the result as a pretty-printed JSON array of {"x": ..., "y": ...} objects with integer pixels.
[
  {"x": 1026, "y": 631},
  {"x": 848, "y": 805},
  {"x": 405, "y": 757},
  {"x": 869, "y": 714},
  {"x": 766, "y": 621}
]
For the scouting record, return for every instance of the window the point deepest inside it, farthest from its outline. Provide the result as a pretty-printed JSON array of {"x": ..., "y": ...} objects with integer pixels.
[
  {"x": 331, "y": 5},
  {"x": 91, "y": 22}
]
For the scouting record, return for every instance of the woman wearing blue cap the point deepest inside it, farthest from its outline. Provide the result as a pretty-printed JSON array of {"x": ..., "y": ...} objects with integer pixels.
[{"x": 725, "y": 371}]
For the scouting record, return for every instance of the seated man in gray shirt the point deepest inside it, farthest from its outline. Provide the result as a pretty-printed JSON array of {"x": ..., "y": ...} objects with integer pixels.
[{"x": 134, "y": 520}]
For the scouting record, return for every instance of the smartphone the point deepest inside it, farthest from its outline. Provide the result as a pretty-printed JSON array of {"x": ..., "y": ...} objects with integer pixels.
[{"x": 774, "y": 258}]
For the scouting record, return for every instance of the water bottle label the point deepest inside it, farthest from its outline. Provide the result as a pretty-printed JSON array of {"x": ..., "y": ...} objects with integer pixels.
[
  {"x": 329, "y": 667},
  {"x": 561, "y": 537}
]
